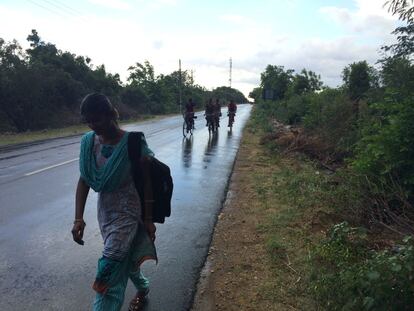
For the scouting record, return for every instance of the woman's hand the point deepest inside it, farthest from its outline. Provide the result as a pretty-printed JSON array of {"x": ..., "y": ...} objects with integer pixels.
[
  {"x": 77, "y": 231},
  {"x": 150, "y": 227}
]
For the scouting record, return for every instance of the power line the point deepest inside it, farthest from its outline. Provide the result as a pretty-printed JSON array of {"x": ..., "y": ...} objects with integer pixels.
[
  {"x": 46, "y": 8},
  {"x": 68, "y": 7},
  {"x": 61, "y": 9}
]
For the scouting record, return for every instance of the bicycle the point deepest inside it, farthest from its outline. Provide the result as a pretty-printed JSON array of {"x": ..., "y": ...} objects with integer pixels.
[
  {"x": 188, "y": 124},
  {"x": 231, "y": 119},
  {"x": 211, "y": 123}
]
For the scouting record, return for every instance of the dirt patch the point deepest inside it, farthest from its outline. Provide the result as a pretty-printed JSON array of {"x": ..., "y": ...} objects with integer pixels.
[
  {"x": 294, "y": 140},
  {"x": 240, "y": 272}
]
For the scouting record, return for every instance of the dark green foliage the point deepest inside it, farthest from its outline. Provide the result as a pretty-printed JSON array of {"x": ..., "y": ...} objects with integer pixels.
[
  {"x": 277, "y": 79},
  {"x": 42, "y": 87},
  {"x": 136, "y": 98},
  {"x": 305, "y": 82},
  {"x": 349, "y": 276},
  {"x": 405, "y": 34},
  {"x": 369, "y": 121},
  {"x": 359, "y": 78},
  {"x": 398, "y": 77},
  {"x": 386, "y": 149},
  {"x": 225, "y": 94},
  {"x": 330, "y": 116},
  {"x": 256, "y": 94}
]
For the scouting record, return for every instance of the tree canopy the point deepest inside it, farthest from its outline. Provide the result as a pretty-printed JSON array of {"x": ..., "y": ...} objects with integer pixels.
[{"x": 41, "y": 87}]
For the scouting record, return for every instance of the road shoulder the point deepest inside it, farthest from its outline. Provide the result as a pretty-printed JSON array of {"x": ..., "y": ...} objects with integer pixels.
[{"x": 247, "y": 267}]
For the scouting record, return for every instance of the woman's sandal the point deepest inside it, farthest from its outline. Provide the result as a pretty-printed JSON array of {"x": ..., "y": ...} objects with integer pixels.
[{"x": 138, "y": 302}]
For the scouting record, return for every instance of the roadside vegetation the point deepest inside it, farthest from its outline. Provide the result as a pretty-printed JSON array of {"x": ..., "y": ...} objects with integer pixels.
[
  {"x": 345, "y": 173},
  {"x": 41, "y": 87},
  {"x": 13, "y": 138}
]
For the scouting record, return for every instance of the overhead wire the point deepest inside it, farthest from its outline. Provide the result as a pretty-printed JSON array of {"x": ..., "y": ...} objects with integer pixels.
[
  {"x": 64, "y": 5},
  {"x": 61, "y": 9},
  {"x": 46, "y": 8}
]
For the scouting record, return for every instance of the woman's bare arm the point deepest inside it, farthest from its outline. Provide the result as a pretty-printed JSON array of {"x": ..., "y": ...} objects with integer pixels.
[{"x": 82, "y": 191}]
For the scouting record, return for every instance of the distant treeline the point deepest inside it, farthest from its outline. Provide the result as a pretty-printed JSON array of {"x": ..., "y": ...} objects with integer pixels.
[{"x": 42, "y": 87}]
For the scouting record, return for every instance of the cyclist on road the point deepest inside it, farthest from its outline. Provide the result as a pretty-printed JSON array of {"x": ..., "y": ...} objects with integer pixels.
[
  {"x": 217, "y": 112},
  {"x": 209, "y": 111},
  {"x": 231, "y": 112},
  {"x": 189, "y": 112}
]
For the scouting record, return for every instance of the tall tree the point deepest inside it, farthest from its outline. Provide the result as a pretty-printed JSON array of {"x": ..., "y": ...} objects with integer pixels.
[
  {"x": 277, "y": 79},
  {"x": 357, "y": 79},
  {"x": 141, "y": 74},
  {"x": 305, "y": 82}
]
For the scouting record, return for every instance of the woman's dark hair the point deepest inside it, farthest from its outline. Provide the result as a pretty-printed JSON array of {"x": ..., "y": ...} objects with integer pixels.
[{"x": 97, "y": 104}]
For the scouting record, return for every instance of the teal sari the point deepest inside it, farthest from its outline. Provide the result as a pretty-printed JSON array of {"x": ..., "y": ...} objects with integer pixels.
[{"x": 110, "y": 176}]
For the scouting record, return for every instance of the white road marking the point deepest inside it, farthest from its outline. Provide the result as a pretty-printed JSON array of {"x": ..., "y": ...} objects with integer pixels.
[{"x": 50, "y": 167}]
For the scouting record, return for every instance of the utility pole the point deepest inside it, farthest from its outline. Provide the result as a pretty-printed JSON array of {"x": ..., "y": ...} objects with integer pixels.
[
  {"x": 231, "y": 67},
  {"x": 179, "y": 86}
]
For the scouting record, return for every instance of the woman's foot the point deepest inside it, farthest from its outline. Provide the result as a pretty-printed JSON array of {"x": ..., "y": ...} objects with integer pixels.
[{"x": 137, "y": 303}]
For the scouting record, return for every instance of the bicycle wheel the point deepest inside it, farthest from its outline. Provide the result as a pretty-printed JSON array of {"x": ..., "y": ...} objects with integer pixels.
[
  {"x": 190, "y": 129},
  {"x": 184, "y": 128}
]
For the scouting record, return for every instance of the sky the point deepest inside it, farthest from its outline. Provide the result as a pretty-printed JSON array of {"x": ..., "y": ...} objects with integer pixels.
[{"x": 320, "y": 35}]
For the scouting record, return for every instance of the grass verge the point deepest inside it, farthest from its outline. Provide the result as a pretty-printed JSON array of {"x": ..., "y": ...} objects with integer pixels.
[
  {"x": 259, "y": 255},
  {"x": 32, "y": 136}
]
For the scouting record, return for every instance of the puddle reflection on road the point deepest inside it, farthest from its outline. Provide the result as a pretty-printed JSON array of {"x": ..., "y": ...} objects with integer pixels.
[
  {"x": 211, "y": 147},
  {"x": 187, "y": 149},
  {"x": 229, "y": 133}
]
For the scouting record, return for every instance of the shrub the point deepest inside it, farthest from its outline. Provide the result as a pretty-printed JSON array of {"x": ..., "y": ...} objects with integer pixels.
[
  {"x": 349, "y": 276},
  {"x": 387, "y": 145}
]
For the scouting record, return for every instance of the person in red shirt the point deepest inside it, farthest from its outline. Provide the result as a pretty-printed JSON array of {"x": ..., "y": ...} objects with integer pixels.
[{"x": 231, "y": 112}]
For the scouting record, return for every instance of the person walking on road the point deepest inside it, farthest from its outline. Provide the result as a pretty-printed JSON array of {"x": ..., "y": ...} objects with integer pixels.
[{"x": 128, "y": 240}]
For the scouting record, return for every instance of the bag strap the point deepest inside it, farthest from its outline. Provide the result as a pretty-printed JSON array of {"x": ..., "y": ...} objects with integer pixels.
[
  {"x": 134, "y": 147},
  {"x": 134, "y": 154}
]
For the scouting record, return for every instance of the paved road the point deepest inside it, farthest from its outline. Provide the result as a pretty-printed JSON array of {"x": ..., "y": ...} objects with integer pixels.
[{"x": 41, "y": 268}]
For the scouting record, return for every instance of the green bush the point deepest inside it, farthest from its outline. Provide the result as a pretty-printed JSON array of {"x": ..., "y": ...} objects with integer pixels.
[
  {"x": 330, "y": 116},
  {"x": 349, "y": 276},
  {"x": 386, "y": 150}
]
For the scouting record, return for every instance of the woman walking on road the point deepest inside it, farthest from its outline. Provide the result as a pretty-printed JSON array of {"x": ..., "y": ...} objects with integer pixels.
[{"x": 128, "y": 240}]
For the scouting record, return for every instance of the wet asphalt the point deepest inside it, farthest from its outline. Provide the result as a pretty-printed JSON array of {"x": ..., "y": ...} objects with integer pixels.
[{"x": 41, "y": 268}]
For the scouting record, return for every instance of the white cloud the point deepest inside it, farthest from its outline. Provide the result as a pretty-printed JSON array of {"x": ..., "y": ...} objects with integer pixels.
[
  {"x": 112, "y": 4},
  {"x": 157, "y": 4},
  {"x": 325, "y": 57},
  {"x": 370, "y": 18},
  {"x": 339, "y": 15},
  {"x": 233, "y": 18},
  {"x": 252, "y": 44}
]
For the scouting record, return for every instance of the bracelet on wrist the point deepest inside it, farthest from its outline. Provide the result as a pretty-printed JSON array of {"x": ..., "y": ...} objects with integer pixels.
[{"x": 79, "y": 220}]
